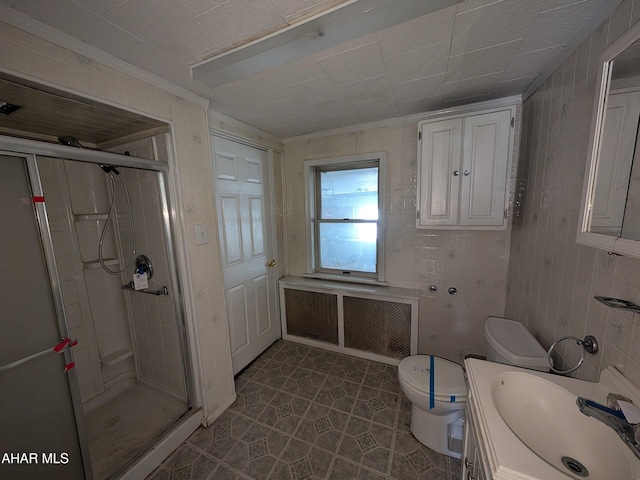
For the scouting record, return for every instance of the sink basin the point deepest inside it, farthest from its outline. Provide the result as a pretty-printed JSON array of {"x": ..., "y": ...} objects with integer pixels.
[{"x": 547, "y": 420}]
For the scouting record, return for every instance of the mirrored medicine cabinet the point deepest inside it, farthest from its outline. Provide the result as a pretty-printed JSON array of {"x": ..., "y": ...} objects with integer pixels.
[{"x": 610, "y": 210}]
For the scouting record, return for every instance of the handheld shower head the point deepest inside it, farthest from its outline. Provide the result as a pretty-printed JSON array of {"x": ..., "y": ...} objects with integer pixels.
[
  {"x": 109, "y": 168},
  {"x": 70, "y": 141}
]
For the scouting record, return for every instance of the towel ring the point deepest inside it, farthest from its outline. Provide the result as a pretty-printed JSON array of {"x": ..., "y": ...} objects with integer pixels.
[{"x": 590, "y": 344}]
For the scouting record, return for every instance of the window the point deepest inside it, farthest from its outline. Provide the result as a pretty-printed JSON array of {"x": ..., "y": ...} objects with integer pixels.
[{"x": 345, "y": 196}]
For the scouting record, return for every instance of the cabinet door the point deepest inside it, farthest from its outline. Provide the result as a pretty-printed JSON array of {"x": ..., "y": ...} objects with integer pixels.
[
  {"x": 438, "y": 188},
  {"x": 473, "y": 465},
  {"x": 484, "y": 169}
]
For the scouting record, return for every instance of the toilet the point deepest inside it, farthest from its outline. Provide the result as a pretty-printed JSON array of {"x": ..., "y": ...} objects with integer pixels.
[
  {"x": 437, "y": 390},
  {"x": 438, "y": 394},
  {"x": 510, "y": 342}
]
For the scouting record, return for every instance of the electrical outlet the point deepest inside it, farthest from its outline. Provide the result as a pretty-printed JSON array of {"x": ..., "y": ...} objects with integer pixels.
[{"x": 202, "y": 235}]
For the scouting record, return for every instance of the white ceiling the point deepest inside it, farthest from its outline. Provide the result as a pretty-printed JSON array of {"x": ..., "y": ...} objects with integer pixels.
[{"x": 474, "y": 51}]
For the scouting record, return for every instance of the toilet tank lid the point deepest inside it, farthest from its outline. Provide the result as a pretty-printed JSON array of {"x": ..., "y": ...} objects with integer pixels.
[{"x": 514, "y": 342}]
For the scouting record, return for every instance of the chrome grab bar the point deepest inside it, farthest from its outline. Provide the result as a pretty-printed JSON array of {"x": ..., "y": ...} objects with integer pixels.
[{"x": 161, "y": 291}]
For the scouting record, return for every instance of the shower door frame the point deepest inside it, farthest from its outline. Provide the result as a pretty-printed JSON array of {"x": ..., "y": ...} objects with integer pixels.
[{"x": 30, "y": 150}]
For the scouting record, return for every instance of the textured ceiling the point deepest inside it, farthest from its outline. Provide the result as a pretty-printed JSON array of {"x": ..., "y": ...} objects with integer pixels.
[{"x": 474, "y": 51}]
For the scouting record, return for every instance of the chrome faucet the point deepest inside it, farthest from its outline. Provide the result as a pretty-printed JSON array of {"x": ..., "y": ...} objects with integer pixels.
[{"x": 628, "y": 432}]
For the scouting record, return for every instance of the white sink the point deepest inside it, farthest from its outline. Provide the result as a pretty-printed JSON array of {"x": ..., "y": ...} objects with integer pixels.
[{"x": 547, "y": 420}]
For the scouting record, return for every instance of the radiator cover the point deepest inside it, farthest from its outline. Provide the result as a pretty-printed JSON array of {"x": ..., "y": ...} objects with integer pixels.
[
  {"x": 312, "y": 315},
  {"x": 377, "y": 326},
  {"x": 378, "y": 323}
]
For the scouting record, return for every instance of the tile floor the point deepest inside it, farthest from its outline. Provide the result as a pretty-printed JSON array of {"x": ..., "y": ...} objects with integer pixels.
[{"x": 306, "y": 413}]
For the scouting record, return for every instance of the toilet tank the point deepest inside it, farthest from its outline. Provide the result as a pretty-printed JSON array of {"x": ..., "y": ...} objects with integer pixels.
[{"x": 510, "y": 342}]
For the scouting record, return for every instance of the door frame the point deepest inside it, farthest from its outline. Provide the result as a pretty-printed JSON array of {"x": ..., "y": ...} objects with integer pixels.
[
  {"x": 30, "y": 150},
  {"x": 271, "y": 214}
]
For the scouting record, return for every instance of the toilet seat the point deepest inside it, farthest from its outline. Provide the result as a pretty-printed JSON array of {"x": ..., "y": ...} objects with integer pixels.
[{"x": 448, "y": 378}]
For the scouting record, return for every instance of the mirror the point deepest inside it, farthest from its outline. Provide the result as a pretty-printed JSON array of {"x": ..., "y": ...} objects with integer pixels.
[{"x": 611, "y": 197}]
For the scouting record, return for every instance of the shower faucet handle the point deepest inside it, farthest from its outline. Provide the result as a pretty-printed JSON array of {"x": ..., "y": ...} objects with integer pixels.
[{"x": 144, "y": 265}]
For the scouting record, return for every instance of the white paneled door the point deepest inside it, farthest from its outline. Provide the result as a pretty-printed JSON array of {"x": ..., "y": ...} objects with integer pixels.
[{"x": 241, "y": 182}]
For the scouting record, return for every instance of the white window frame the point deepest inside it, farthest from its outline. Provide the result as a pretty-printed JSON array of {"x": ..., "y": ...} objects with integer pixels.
[{"x": 310, "y": 169}]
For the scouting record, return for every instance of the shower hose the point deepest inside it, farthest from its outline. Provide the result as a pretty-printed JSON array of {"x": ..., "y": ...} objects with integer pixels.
[{"x": 112, "y": 182}]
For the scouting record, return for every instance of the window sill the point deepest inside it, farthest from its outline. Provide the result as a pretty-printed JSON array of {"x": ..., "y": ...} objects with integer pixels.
[
  {"x": 346, "y": 279},
  {"x": 310, "y": 281}
]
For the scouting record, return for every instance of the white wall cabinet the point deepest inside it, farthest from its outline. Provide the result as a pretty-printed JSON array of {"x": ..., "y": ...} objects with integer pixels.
[{"x": 463, "y": 171}]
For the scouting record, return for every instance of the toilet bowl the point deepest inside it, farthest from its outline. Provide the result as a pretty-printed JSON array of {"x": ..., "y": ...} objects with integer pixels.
[
  {"x": 438, "y": 394},
  {"x": 511, "y": 343}
]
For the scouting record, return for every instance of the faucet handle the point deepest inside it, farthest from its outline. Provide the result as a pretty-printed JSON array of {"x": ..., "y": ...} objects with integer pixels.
[{"x": 613, "y": 398}]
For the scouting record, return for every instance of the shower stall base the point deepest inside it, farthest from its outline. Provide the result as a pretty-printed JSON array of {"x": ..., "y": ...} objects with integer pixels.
[{"x": 128, "y": 424}]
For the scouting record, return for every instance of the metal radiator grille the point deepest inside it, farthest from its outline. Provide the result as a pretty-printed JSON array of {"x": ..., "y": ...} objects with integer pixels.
[
  {"x": 312, "y": 315},
  {"x": 377, "y": 326}
]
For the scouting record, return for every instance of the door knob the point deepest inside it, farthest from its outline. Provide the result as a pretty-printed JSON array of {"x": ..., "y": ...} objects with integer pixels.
[{"x": 271, "y": 263}]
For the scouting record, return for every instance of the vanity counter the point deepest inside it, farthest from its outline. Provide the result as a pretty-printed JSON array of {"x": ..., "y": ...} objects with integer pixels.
[{"x": 506, "y": 457}]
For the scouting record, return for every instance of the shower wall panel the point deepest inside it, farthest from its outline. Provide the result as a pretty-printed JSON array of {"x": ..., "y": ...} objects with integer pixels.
[
  {"x": 159, "y": 353},
  {"x": 71, "y": 276},
  {"x": 89, "y": 198}
]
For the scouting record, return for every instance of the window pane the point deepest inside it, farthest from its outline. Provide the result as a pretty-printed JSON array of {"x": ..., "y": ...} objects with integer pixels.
[
  {"x": 351, "y": 194},
  {"x": 348, "y": 246}
]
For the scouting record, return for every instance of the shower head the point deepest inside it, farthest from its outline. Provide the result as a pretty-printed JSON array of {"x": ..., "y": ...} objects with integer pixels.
[
  {"x": 109, "y": 168},
  {"x": 70, "y": 141}
]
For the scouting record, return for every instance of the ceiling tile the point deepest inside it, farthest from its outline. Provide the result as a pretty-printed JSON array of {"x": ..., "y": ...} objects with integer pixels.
[
  {"x": 295, "y": 9},
  {"x": 428, "y": 104},
  {"x": 471, "y": 87},
  {"x": 256, "y": 91},
  {"x": 159, "y": 26},
  {"x": 556, "y": 27},
  {"x": 493, "y": 24},
  {"x": 240, "y": 21},
  {"x": 99, "y": 7},
  {"x": 423, "y": 62},
  {"x": 283, "y": 108},
  {"x": 474, "y": 4},
  {"x": 314, "y": 91},
  {"x": 298, "y": 71},
  {"x": 530, "y": 63},
  {"x": 197, "y": 8},
  {"x": 512, "y": 87},
  {"x": 481, "y": 62},
  {"x": 376, "y": 109},
  {"x": 420, "y": 88},
  {"x": 80, "y": 23},
  {"x": 456, "y": 102},
  {"x": 354, "y": 65},
  {"x": 419, "y": 32},
  {"x": 367, "y": 90},
  {"x": 553, "y": 4}
]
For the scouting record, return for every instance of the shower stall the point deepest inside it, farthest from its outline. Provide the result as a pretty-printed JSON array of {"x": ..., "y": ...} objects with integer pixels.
[{"x": 94, "y": 363}]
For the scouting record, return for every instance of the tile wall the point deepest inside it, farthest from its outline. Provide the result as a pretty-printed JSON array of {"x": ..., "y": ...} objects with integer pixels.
[
  {"x": 155, "y": 325},
  {"x": 475, "y": 262},
  {"x": 552, "y": 279},
  {"x": 24, "y": 54}
]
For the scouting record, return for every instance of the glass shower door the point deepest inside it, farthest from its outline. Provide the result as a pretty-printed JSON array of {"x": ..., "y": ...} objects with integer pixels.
[{"x": 38, "y": 428}]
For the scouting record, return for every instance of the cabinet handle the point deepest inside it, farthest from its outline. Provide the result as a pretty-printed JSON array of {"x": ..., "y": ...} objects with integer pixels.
[
  {"x": 466, "y": 173},
  {"x": 456, "y": 173}
]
